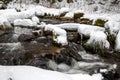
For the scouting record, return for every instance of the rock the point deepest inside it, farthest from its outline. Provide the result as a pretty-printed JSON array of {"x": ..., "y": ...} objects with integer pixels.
[
  {"x": 110, "y": 75},
  {"x": 78, "y": 15},
  {"x": 86, "y": 21},
  {"x": 62, "y": 58},
  {"x": 6, "y": 36},
  {"x": 2, "y": 27},
  {"x": 63, "y": 14},
  {"x": 37, "y": 61},
  {"x": 8, "y": 26},
  {"x": 1, "y": 32},
  {"x": 18, "y": 31},
  {"x": 52, "y": 65},
  {"x": 72, "y": 50},
  {"x": 11, "y": 54},
  {"x": 63, "y": 67},
  {"x": 25, "y": 37},
  {"x": 69, "y": 1},
  {"x": 100, "y": 23}
]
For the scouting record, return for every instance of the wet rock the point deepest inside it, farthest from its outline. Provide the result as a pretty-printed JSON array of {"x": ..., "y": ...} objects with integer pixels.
[
  {"x": 62, "y": 58},
  {"x": 38, "y": 61},
  {"x": 19, "y": 30},
  {"x": 63, "y": 14},
  {"x": 1, "y": 32},
  {"x": 52, "y": 65},
  {"x": 72, "y": 50},
  {"x": 11, "y": 54},
  {"x": 25, "y": 37},
  {"x": 78, "y": 15},
  {"x": 111, "y": 75},
  {"x": 63, "y": 67},
  {"x": 6, "y": 36}
]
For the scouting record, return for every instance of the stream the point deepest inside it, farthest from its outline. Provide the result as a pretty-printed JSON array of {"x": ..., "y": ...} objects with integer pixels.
[{"x": 39, "y": 52}]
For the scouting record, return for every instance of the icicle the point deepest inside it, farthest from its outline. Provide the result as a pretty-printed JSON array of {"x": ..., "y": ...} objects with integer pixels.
[{"x": 81, "y": 36}]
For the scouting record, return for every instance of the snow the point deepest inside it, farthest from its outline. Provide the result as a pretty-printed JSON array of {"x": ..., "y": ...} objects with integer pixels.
[
  {"x": 24, "y": 22},
  {"x": 71, "y": 13},
  {"x": 68, "y": 26},
  {"x": 113, "y": 27},
  {"x": 3, "y": 12},
  {"x": 86, "y": 77},
  {"x": 33, "y": 73},
  {"x": 118, "y": 41},
  {"x": 98, "y": 38},
  {"x": 87, "y": 29},
  {"x": 35, "y": 20},
  {"x": 30, "y": 73},
  {"x": 40, "y": 10},
  {"x": 60, "y": 33}
]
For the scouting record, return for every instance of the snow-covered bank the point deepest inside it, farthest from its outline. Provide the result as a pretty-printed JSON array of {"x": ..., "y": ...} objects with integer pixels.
[{"x": 33, "y": 73}]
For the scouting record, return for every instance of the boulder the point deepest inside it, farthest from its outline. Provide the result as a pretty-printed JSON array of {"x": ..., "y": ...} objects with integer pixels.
[
  {"x": 25, "y": 37},
  {"x": 100, "y": 22},
  {"x": 72, "y": 50}
]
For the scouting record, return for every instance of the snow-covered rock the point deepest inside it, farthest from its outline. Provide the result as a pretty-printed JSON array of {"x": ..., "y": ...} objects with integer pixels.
[
  {"x": 6, "y": 11},
  {"x": 24, "y": 22},
  {"x": 60, "y": 33},
  {"x": 98, "y": 38},
  {"x": 113, "y": 27},
  {"x": 87, "y": 29},
  {"x": 35, "y": 19},
  {"x": 69, "y": 26}
]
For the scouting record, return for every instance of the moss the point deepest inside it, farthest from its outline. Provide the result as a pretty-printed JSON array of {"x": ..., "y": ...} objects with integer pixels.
[
  {"x": 63, "y": 14},
  {"x": 111, "y": 39},
  {"x": 86, "y": 21},
  {"x": 100, "y": 22},
  {"x": 85, "y": 38},
  {"x": 69, "y": 1},
  {"x": 66, "y": 19},
  {"x": 78, "y": 15},
  {"x": 96, "y": 49}
]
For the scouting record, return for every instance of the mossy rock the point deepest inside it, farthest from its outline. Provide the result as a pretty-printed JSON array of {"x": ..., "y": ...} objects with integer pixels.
[
  {"x": 63, "y": 14},
  {"x": 60, "y": 0},
  {"x": 111, "y": 39},
  {"x": 37, "y": 1},
  {"x": 69, "y": 1},
  {"x": 86, "y": 21},
  {"x": 96, "y": 49},
  {"x": 78, "y": 15},
  {"x": 66, "y": 19},
  {"x": 6, "y": 1},
  {"x": 100, "y": 22}
]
